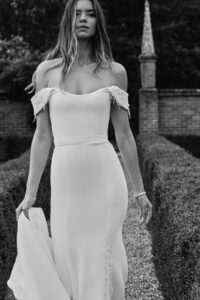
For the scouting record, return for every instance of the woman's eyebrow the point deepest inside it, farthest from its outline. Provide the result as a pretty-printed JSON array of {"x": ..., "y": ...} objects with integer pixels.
[{"x": 88, "y": 10}]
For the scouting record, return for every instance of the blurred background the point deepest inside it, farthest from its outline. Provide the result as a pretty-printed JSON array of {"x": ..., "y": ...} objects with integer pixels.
[{"x": 29, "y": 29}]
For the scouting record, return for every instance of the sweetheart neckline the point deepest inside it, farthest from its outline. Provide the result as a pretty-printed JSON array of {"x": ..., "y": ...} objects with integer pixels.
[{"x": 68, "y": 93}]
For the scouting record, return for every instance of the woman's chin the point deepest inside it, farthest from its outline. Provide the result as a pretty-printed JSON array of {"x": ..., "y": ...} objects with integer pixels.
[{"x": 83, "y": 37}]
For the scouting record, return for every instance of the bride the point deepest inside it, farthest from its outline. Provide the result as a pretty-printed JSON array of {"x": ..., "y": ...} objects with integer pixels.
[{"x": 78, "y": 87}]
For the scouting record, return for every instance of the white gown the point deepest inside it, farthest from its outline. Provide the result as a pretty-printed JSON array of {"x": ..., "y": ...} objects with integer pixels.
[{"x": 85, "y": 258}]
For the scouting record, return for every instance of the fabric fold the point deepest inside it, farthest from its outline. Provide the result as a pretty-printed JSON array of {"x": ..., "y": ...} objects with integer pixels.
[
  {"x": 120, "y": 97},
  {"x": 34, "y": 267},
  {"x": 40, "y": 100}
]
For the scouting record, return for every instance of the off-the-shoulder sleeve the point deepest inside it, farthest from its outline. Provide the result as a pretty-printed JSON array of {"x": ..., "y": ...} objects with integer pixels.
[
  {"x": 40, "y": 100},
  {"x": 120, "y": 97}
]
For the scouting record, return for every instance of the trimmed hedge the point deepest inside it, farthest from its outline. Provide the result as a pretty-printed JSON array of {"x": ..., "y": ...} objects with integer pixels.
[
  {"x": 12, "y": 146},
  {"x": 13, "y": 176},
  {"x": 172, "y": 180},
  {"x": 5, "y": 245}
]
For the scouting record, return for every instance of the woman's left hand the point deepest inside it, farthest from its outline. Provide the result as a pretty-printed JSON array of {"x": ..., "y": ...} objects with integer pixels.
[
  {"x": 24, "y": 206},
  {"x": 145, "y": 209}
]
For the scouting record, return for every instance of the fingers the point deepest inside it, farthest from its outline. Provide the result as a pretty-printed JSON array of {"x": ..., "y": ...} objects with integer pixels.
[
  {"x": 149, "y": 214},
  {"x": 17, "y": 215},
  {"x": 26, "y": 213},
  {"x": 145, "y": 214},
  {"x": 141, "y": 212},
  {"x": 141, "y": 215},
  {"x": 21, "y": 209},
  {"x": 18, "y": 211}
]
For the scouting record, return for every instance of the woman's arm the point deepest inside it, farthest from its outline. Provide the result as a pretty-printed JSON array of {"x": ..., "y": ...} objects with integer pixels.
[
  {"x": 40, "y": 146},
  {"x": 128, "y": 149},
  {"x": 42, "y": 137},
  {"x": 39, "y": 152}
]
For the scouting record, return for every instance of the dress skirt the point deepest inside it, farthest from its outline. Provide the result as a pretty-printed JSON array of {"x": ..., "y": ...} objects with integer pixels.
[{"x": 89, "y": 199}]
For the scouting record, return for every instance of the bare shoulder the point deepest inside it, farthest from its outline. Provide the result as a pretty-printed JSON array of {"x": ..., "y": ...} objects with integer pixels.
[
  {"x": 120, "y": 75},
  {"x": 41, "y": 74},
  {"x": 46, "y": 64}
]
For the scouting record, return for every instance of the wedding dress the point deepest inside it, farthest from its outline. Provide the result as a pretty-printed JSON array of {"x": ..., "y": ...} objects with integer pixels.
[{"x": 84, "y": 258}]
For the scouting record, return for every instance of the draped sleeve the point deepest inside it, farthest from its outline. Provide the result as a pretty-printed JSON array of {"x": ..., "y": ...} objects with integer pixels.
[
  {"x": 40, "y": 100},
  {"x": 120, "y": 97}
]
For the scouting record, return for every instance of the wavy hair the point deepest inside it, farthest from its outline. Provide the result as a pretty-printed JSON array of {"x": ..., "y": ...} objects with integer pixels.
[{"x": 67, "y": 46}]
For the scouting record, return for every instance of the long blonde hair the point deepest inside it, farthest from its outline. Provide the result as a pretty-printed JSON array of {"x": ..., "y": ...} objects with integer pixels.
[{"x": 67, "y": 43}]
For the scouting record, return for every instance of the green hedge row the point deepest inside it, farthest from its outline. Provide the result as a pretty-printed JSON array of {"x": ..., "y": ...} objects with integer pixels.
[
  {"x": 172, "y": 180},
  {"x": 12, "y": 146},
  {"x": 13, "y": 176}
]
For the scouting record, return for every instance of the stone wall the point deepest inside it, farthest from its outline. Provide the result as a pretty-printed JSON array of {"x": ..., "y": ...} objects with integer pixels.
[
  {"x": 148, "y": 110},
  {"x": 165, "y": 111},
  {"x": 179, "y": 112},
  {"x": 169, "y": 111}
]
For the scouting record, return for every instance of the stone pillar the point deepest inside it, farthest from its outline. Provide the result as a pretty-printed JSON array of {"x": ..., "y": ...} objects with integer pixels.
[
  {"x": 148, "y": 94},
  {"x": 148, "y": 110},
  {"x": 148, "y": 71}
]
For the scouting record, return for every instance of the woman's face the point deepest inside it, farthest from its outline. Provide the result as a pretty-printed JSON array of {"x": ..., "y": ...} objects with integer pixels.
[{"x": 85, "y": 25}]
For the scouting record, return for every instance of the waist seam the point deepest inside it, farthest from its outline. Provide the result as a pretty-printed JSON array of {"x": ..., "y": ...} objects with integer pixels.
[{"x": 80, "y": 139}]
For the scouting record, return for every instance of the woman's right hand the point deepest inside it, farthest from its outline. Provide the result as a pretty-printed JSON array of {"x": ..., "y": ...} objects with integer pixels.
[
  {"x": 26, "y": 203},
  {"x": 145, "y": 209}
]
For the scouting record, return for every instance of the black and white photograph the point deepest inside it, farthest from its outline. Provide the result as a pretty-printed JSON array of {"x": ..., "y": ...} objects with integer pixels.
[{"x": 99, "y": 150}]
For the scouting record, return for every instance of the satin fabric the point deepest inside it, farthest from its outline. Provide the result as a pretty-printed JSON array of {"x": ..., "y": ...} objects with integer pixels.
[{"x": 85, "y": 258}]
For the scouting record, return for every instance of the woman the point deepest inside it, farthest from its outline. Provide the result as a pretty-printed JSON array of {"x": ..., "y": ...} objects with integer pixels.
[{"x": 78, "y": 88}]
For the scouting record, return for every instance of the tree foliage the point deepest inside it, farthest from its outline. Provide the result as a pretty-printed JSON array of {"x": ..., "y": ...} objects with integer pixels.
[{"x": 176, "y": 31}]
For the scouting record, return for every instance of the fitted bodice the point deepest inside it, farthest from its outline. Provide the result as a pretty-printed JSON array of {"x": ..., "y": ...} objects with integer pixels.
[{"x": 77, "y": 115}]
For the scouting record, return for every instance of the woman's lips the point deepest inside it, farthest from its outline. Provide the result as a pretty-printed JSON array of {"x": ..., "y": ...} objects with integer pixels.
[{"x": 83, "y": 27}]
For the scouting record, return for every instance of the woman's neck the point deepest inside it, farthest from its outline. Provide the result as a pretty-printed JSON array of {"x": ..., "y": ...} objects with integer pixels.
[{"x": 85, "y": 53}]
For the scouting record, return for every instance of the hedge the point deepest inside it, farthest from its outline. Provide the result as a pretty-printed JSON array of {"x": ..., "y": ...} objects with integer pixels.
[
  {"x": 12, "y": 146},
  {"x": 172, "y": 180},
  {"x": 16, "y": 74},
  {"x": 13, "y": 176}
]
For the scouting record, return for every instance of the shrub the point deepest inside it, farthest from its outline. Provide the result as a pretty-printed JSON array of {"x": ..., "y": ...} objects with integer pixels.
[
  {"x": 15, "y": 48},
  {"x": 4, "y": 238},
  {"x": 171, "y": 177},
  {"x": 16, "y": 75},
  {"x": 17, "y": 63},
  {"x": 12, "y": 146},
  {"x": 13, "y": 176}
]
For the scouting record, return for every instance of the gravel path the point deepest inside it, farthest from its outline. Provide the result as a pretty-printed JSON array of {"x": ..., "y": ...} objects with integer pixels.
[{"x": 142, "y": 282}]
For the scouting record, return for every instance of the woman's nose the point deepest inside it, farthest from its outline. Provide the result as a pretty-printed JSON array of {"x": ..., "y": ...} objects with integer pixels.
[{"x": 83, "y": 16}]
